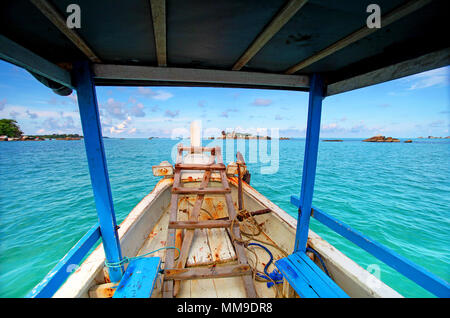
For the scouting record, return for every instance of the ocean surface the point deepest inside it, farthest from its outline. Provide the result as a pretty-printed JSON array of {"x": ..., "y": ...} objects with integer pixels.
[{"x": 395, "y": 193}]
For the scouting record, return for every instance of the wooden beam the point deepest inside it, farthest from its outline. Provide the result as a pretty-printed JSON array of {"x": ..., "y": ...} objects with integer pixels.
[
  {"x": 386, "y": 19},
  {"x": 59, "y": 21},
  {"x": 159, "y": 30},
  {"x": 207, "y": 272},
  {"x": 413, "y": 66},
  {"x": 13, "y": 53},
  {"x": 189, "y": 76},
  {"x": 278, "y": 21},
  {"x": 194, "y": 166},
  {"x": 186, "y": 190},
  {"x": 209, "y": 224}
]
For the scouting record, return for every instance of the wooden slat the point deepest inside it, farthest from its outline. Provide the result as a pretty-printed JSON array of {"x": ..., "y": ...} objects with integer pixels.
[
  {"x": 386, "y": 19},
  {"x": 58, "y": 20},
  {"x": 307, "y": 279},
  {"x": 105, "y": 73},
  {"x": 194, "y": 166},
  {"x": 279, "y": 20},
  {"x": 198, "y": 149},
  {"x": 199, "y": 224},
  {"x": 186, "y": 190},
  {"x": 159, "y": 30},
  {"x": 207, "y": 272}
]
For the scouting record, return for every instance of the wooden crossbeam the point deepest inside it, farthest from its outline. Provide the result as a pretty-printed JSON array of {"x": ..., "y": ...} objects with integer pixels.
[
  {"x": 386, "y": 19},
  {"x": 159, "y": 30},
  {"x": 209, "y": 224},
  {"x": 192, "y": 166},
  {"x": 198, "y": 149},
  {"x": 186, "y": 190},
  {"x": 208, "y": 272},
  {"x": 278, "y": 21},
  {"x": 47, "y": 9}
]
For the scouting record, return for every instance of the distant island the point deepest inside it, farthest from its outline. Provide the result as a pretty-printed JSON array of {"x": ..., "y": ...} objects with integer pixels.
[
  {"x": 333, "y": 140},
  {"x": 432, "y": 137},
  {"x": 380, "y": 138},
  {"x": 237, "y": 135},
  {"x": 10, "y": 131}
]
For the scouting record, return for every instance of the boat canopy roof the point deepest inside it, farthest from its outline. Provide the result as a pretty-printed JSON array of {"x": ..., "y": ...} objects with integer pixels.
[{"x": 235, "y": 43}]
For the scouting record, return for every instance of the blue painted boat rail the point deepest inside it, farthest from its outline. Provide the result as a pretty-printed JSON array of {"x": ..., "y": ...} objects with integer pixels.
[
  {"x": 414, "y": 272},
  {"x": 58, "y": 275}
]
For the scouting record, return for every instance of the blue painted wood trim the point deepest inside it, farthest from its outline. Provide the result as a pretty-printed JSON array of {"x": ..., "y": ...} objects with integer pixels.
[
  {"x": 308, "y": 280},
  {"x": 414, "y": 272},
  {"x": 95, "y": 152},
  {"x": 139, "y": 279},
  {"x": 310, "y": 160},
  {"x": 58, "y": 275}
]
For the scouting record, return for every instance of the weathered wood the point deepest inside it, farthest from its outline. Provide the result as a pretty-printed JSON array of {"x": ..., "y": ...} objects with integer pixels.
[
  {"x": 189, "y": 235},
  {"x": 253, "y": 213},
  {"x": 159, "y": 30},
  {"x": 103, "y": 291},
  {"x": 59, "y": 21},
  {"x": 278, "y": 21},
  {"x": 199, "y": 224},
  {"x": 170, "y": 254},
  {"x": 207, "y": 272},
  {"x": 186, "y": 190},
  {"x": 198, "y": 77},
  {"x": 236, "y": 233},
  {"x": 192, "y": 166},
  {"x": 198, "y": 149},
  {"x": 386, "y": 19}
]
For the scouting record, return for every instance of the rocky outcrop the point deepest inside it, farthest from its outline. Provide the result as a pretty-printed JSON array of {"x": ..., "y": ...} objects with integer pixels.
[
  {"x": 408, "y": 141},
  {"x": 380, "y": 138}
]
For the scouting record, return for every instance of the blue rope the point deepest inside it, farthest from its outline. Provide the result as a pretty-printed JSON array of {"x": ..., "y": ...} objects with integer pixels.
[
  {"x": 276, "y": 276},
  {"x": 320, "y": 259},
  {"x": 128, "y": 259}
]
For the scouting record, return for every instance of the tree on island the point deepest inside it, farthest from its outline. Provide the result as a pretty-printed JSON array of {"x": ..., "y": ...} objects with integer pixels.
[{"x": 10, "y": 128}]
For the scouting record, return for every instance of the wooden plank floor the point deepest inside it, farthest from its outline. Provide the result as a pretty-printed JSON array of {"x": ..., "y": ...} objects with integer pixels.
[{"x": 209, "y": 246}]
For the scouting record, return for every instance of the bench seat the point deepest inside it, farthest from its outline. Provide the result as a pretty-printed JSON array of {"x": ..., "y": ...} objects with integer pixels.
[
  {"x": 307, "y": 279},
  {"x": 139, "y": 278}
]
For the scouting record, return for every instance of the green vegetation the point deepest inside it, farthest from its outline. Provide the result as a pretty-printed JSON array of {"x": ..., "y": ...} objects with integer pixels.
[
  {"x": 10, "y": 128},
  {"x": 58, "y": 136}
]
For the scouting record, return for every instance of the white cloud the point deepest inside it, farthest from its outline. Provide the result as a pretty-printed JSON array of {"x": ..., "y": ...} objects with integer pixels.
[
  {"x": 158, "y": 95},
  {"x": 262, "y": 102},
  {"x": 437, "y": 77}
]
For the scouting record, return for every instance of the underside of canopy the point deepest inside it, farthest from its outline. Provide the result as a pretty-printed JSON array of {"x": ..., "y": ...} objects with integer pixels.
[{"x": 274, "y": 44}]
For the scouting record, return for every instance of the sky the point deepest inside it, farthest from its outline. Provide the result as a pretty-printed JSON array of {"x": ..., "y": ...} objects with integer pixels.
[{"x": 409, "y": 107}]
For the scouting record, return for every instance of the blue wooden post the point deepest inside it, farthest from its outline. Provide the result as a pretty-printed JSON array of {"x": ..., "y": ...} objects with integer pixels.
[
  {"x": 310, "y": 161},
  {"x": 93, "y": 141}
]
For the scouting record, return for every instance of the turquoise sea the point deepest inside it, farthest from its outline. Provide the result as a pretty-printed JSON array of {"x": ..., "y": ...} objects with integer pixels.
[{"x": 395, "y": 193}]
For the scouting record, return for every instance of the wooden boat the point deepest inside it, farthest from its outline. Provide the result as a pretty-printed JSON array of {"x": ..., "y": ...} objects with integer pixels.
[
  {"x": 218, "y": 258},
  {"x": 213, "y": 267}
]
